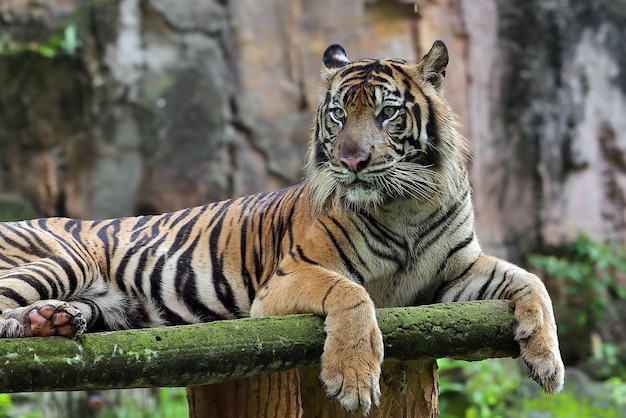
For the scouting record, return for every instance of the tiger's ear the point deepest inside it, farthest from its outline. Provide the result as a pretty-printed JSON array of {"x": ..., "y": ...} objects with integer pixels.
[
  {"x": 432, "y": 68},
  {"x": 334, "y": 58}
]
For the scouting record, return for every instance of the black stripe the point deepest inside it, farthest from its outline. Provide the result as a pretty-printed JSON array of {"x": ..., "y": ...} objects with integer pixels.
[
  {"x": 422, "y": 243},
  {"x": 186, "y": 284},
  {"x": 348, "y": 73},
  {"x": 138, "y": 227},
  {"x": 243, "y": 251},
  {"x": 33, "y": 282},
  {"x": 394, "y": 245},
  {"x": 66, "y": 267},
  {"x": 432, "y": 152},
  {"x": 96, "y": 323},
  {"x": 510, "y": 296},
  {"x": 11, "y": 261},
  {"x": 496, "y": 292},
  {"x": 445, "y": 286},
  {"x": 346, "y": 260},
  {"x": 156, "y": 287},
  {"x": 379, "y": 231},
  {"x": 182, "y": 215},
  {"x": 458, "y": 247},
  {"x": 12, "y": 294},
  {"x": 171, "y": 317},
  {"x": 483, "y": 289},
  {"x": 28, "y": 248},
  {"x": 37, "y": 237},
  {"x": 43, "y": 274},
  {"x": 330, "y": 289},
  {"x": 109, "y": 247},
  {"x": 349, "y": 240},
  {"x": 304, "y": 258},
  {"x": 222, "y": 287}
]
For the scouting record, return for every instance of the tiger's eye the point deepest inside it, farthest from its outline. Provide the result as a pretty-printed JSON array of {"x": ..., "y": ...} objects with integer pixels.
[
  {"x": 389, "y": 111},
  {"x": 339, "y": 113}
]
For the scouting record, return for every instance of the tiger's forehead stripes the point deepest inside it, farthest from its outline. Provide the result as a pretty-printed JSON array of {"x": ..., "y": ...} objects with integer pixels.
[
  {"x": 380, "y": 77},
  {"x": 381, "y": 80}
]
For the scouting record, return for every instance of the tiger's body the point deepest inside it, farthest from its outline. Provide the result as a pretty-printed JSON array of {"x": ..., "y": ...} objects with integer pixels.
[{"x": 384, "y": 217}]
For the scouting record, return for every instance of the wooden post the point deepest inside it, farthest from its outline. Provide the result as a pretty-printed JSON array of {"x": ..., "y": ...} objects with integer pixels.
[
  {"x": 274, "y": 395},
  {"x": 409, "y": 389}
]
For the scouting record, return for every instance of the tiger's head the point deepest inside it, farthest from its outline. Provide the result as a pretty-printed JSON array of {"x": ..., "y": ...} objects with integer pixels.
[{"x": 383, "y": 133}]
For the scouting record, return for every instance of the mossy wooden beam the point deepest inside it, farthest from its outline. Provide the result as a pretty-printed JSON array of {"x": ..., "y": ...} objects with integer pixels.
[{"x": 210, "y": 353}]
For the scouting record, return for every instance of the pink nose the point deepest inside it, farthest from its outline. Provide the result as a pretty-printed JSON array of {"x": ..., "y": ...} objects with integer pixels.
[{"x": 354, "y": 164}]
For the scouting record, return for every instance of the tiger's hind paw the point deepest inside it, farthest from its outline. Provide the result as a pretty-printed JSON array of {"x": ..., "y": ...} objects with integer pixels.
[
  {"x": 49, "y": 318},
  {"x": 43, "y": 319},
  {"x": 11, "y": 328}
]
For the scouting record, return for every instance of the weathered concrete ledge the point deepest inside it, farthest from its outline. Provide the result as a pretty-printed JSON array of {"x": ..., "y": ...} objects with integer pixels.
[{"x": 210, "y": 353}]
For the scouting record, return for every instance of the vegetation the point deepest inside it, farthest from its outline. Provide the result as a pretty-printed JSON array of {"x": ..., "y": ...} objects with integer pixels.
[
  {"x": 591, "y": 279},
  {"x": 172, "y": 404},
  {"x": 64, "y": 41},
  {"x": 496, "y": 388},
  {"x": 168, "y": 403},
  {"x": 589, "y": 273}
]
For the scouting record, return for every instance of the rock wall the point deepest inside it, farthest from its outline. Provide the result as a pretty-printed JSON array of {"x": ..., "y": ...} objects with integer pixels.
[{"x": 172, "y": 104}]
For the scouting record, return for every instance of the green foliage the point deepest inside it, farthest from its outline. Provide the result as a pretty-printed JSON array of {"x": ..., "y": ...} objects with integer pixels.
[
  {"x": 487, "y": 389},
  {"x": 606, "y": 360},
  {"x": 566, "y": 405},
  {"x": 497, "y": 388},
  {"x": 64, "y": 41},
  {"x": 589, "y": 273},
  {"x": 5, "y": 405},
  {"x": 172, "y": 404}
]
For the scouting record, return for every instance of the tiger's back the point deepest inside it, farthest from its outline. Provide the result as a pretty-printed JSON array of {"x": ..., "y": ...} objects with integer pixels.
[
  {"x": 195, "y": 265},
  {"x": 383, "y": 218}
]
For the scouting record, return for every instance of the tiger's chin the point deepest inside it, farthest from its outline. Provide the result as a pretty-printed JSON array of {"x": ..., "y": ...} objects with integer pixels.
[{"x": 360, "y": 197}]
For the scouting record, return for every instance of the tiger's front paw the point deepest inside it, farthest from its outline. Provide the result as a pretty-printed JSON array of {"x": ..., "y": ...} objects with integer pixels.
[
  {"x": 537, "y": 337},
  {"x": 351, "y": 362}
]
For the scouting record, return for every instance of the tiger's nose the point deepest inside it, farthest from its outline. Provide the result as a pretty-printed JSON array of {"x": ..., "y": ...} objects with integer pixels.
[{"x": 355, "y": 163}]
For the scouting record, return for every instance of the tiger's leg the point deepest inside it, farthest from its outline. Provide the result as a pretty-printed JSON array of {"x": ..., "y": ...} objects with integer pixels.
[
  {"x": 492, "y": 278},
  {"x": 353, "y": 350}
]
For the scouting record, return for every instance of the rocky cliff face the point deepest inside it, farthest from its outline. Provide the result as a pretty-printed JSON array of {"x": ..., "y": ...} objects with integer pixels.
[{"x": 170, "y": 104}]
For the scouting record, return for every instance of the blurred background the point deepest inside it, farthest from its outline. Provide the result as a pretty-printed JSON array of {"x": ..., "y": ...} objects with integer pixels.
[{"x": 114, "y": 108}]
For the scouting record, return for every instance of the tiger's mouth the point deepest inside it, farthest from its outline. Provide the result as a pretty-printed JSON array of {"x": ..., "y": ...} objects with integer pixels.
[{"x": 359, "y": 193}]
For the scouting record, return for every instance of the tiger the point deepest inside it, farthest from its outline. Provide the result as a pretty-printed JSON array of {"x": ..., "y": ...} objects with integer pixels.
[{"x": 383, "y": 217}]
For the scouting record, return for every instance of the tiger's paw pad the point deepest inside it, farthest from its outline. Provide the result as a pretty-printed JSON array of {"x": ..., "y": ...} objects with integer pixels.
[{"x": 56, "y": 318}]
